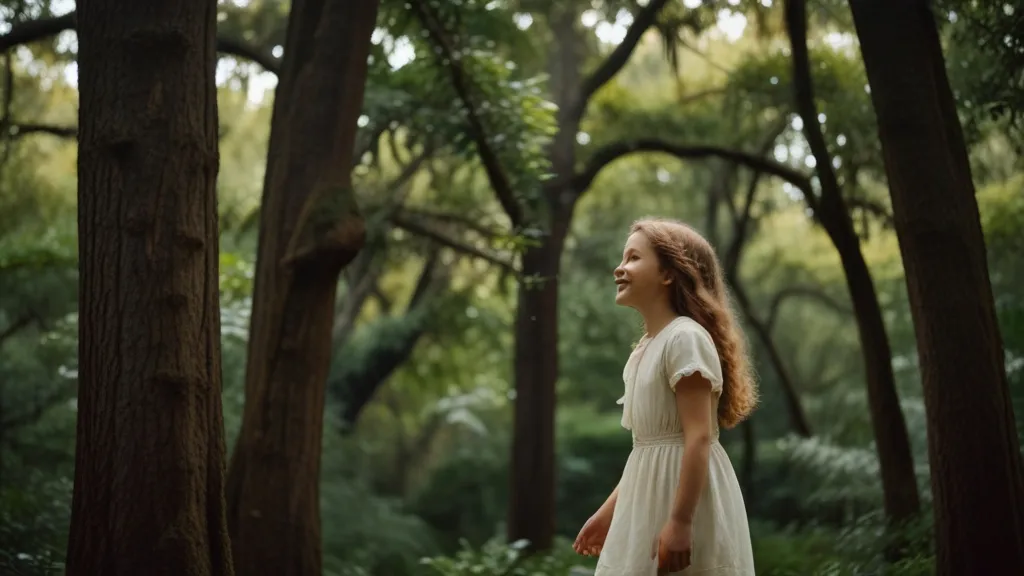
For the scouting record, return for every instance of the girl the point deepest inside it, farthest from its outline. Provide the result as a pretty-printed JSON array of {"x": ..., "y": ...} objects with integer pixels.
[{"x": 677, "y": 509}]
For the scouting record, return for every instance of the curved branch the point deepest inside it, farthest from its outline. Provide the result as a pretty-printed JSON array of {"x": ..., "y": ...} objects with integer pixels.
[
  {"x": 618, "y": 57},
  {"x": 43, "y": 28},
  {"x": 612, "y": 152},
  {"x": 874, "y": 208},
  {"x": 805, "y": 291},
  {"x": 257, "y": 54},
  {"x": 418, "y": 229}
]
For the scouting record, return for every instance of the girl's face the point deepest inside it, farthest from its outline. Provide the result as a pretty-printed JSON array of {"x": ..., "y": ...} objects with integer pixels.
[{"x": 639, "y": 280}]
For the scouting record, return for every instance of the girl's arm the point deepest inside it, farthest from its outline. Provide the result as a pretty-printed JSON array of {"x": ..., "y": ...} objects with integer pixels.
[
  {"x": 694, "y": 405},
  {"x": 609, "y": 505}
]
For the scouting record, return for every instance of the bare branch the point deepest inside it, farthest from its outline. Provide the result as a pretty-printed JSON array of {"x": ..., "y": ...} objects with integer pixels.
[
  {"x": 414, "y": 227},
  {"x": 806, "y": 292},
  {"x": 618, "y": 57},
  {"x": 468, "y": 222},
  {"x": 874, "y": 208},
  {"x": 36, "y": 30},
  {"x": 21, "y": 130},
  {"x": 612, "y": 152},
  {"x": 496, "y": 174},
  {"x": 259, "y": 55}
]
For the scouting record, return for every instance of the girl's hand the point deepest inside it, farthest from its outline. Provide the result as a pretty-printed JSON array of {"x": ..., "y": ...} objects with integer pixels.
[
  {"x": 591, "y": 538},
  {"x": 673, "y": 546}
]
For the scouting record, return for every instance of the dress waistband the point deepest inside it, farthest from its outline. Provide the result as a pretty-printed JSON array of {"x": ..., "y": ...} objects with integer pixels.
[{"x": 670, "y": 439}]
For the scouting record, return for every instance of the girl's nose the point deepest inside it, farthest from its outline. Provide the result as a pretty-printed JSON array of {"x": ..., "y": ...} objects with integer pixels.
[{"x": 618, "y": 271}]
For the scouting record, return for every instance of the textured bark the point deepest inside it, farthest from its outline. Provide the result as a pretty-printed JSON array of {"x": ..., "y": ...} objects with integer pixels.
[
  {"x": 310, "y": 229},
  {"x": 892, "y": 442},
  {"x": 148, "y": 496},
  {"x": 977, "y": 482}
]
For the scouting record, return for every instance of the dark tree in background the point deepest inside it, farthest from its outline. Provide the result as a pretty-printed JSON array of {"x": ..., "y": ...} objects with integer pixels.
[
  {"x": 974, "y": 454},
  {"x": 310, "y": 229},
  {"x": 149, "y": 493}
]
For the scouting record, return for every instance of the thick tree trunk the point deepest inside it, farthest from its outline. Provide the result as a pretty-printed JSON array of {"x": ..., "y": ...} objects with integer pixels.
[
  {"x": 532, "y": 502},
  {"x": 977, "y": 481},
  {"x": 892, "y": 442},
  {"x": 149, "y": 469},
  {"x": 310, "y": 229}
]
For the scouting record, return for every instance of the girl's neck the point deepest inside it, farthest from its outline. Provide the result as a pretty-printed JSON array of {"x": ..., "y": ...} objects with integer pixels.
[{"x": 656, "y": 318}]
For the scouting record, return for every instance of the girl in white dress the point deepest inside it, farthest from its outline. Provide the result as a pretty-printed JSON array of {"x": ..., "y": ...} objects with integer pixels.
[{"x": 678, "y": 508}]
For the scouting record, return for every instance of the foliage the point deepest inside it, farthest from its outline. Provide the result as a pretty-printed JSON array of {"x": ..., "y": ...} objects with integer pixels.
[
  {"x": 34, "y": 520},
  {"x": 985, "y": 56},
  {"x": 497, "y": 558}
]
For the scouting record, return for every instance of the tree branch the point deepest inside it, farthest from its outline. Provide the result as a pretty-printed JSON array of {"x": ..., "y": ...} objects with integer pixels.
[
  {"x": 618, "y": 57},
  {"x": 612, "y": 152},
  {"x": 21, "y": 130},
  {"x": 425, "y": 231},
  {"x": 804, "y": 291},
  {"x": 475, "y": 224},
  {"x": 36, "y": 30},
  {"x": 803, "y": 93},
  {"x": 496, "y": 174},
  {"x": 259, "y": 55},
  {"x": 876, "y": 209}
]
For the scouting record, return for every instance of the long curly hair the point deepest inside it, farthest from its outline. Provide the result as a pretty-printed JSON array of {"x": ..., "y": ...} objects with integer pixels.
[{"x": 699, "y": 292}]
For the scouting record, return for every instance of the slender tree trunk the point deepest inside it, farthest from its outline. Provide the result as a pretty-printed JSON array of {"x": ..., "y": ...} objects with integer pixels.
[
  {"x": 310, "y": 229},
  {"x": 532, "y": 502},
  {"x": 749, "y": 462},
  {"x": 149, "y": 466},
  {"x": 976, "y": 473},
  {"x": 892, "y": 442}
]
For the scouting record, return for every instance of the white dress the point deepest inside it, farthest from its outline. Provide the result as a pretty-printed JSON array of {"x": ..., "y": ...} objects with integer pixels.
[{"x": 721, "y": 536}]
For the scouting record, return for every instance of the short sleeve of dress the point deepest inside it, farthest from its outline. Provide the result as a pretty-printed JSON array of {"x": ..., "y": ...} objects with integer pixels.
[{"x": 689, "y": 350}]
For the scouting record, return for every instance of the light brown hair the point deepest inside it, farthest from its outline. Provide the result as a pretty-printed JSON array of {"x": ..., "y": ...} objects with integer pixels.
[{"x": 699, "y": 292}]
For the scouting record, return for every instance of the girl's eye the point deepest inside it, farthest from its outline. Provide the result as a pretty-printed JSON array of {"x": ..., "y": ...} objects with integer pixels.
[{"x": 634, "y": 258}]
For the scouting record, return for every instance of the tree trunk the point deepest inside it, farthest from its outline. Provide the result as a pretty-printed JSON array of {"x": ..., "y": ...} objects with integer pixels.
[
  {"x": 749, "y": 463},
  {"x": 892, "y": 442},
  {"x": 532, "y": 500},
  {"x": 310, "y": 229},
  {"x": 976, "y": 474},
  {"x": 149, "y": 466}
]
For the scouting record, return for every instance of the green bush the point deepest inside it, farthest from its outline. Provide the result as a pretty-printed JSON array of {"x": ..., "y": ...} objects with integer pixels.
[
  {"x": 496, "y": 558},
  {"x": 34, "y": 519}
]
